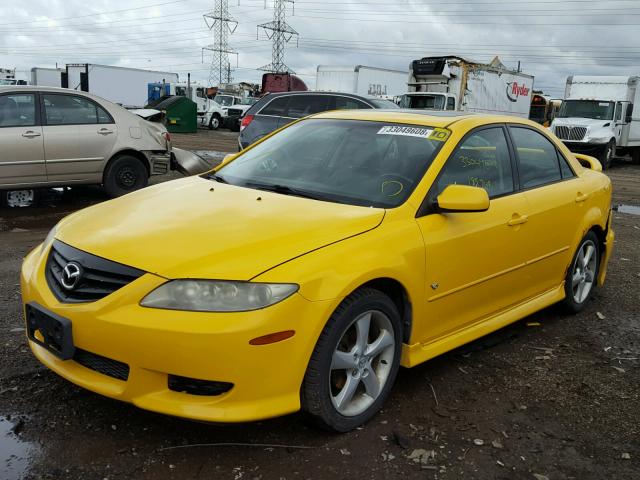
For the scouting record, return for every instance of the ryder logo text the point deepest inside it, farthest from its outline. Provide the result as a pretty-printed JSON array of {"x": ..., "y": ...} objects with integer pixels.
[{"x": 514, "y": 91}]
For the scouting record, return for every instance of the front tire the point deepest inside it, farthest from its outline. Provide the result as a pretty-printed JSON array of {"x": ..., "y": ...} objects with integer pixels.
[
  {"x": 355, "y": 362},
  {"x": 607, "y": 154},
  {"x": 215, "y": 122},
  {"x": 19, "y": 198},
  {"x": 125, "y": 174},
  {"x": 582, "y": 274}
]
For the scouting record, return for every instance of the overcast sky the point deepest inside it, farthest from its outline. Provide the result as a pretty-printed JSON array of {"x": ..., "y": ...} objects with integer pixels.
[{"x": 552, "y": 39}]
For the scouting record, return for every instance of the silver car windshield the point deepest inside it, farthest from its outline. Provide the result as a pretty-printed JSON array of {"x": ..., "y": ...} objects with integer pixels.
[{"x": 346, "y": 161}]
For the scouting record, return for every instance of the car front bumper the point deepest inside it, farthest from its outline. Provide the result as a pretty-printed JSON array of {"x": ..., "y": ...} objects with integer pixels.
[
  {"x": 586, "y": 148},
  {"x": 156, "y": 343}
]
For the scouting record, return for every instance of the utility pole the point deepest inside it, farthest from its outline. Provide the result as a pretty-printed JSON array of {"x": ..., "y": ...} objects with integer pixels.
[
  {"x": 221, "y": 24},
  {"x": 280, "y": 33}
]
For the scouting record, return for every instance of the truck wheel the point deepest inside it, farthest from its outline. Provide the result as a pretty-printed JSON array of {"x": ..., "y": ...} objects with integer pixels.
[
  {"x": 215, "y": 122},
  {"x": 607, "y": 154},
  {"x": 635, "y": 156},
  {"x": 123, "y": 175}
]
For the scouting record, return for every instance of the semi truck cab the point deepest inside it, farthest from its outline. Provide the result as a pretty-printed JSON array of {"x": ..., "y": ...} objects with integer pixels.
[{"x": 429, "y": 101}]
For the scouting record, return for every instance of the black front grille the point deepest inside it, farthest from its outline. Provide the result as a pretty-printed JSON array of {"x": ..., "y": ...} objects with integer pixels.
[
  {"x": 235, "y": 112},
  {"x": 103, "y": 365},
  {"x": 98, "y": 277}
]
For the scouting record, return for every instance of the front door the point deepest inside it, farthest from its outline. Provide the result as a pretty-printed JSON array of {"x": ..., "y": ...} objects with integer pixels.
[
  {"x": 79, "y": 137},
  {"x": 474, "y": 261},
  {"x": 22, "y": 160}
]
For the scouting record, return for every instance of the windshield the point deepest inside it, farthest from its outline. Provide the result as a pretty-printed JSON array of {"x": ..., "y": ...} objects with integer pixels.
[
  {"x": 345, "y": 161},
  {"x": 429, "y": 102},
  {"x": 224, "y": 100},
  {"x": 248, "y": 101},
  {"x": 587, "y": 109}
]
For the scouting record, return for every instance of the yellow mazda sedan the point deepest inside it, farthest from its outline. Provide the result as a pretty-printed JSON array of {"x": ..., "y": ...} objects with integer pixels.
[{"x": 303, "y": 271}]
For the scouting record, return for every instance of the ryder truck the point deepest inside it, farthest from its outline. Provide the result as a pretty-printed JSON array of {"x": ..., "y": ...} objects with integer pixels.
[
  {"x": 597, "y": 117},
  {"x": 453, "y": 83}
]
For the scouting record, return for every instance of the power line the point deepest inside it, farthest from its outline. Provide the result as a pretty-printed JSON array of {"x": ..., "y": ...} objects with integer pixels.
[
  {"x": 280, "y": 32},
  {"x": 221, "y": 24}
]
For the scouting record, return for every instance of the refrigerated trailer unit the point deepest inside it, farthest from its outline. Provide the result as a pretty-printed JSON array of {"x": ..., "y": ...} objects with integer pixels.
[
  {"x": 598, "y": 117},
  {"x": 453, "y": 83},
  {"x": 361, "y": 80},
  {"x": 126, "y": 86}
]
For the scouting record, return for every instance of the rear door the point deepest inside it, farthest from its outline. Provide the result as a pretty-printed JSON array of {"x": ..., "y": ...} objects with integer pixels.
[
  {"x": 556, "y": 207},
  {"x": 22, "y": 159},
  {"x": 79, "y": 137}
]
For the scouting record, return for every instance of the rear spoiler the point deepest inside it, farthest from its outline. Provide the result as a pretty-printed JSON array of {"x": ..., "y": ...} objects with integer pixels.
[{"x": 589, "y": 162}]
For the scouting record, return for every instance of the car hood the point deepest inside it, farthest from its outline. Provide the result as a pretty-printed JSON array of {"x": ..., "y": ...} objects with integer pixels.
[{"x": 196, "y": 228}]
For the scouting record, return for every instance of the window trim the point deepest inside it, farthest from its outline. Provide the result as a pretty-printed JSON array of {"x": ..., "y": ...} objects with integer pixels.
[
  {"x": 428, "y": 205},
  {"x": 515, "y": 151},
  {"x": 288, "y": 97},
  {"x": 37, "y": 120},
  {"x": 43, "y": 116}
]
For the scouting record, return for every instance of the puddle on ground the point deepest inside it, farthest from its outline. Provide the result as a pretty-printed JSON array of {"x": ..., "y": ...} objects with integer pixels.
[
  {"x": 632, "y": 209},
  {"x": 15, "y": 453}
]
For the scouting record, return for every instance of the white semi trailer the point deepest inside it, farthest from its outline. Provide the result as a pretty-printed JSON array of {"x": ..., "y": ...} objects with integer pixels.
[
  {"x": 599, "y": 117},
  {"x": 453, "y": 83},
  {"x": 361, "y": 80}
]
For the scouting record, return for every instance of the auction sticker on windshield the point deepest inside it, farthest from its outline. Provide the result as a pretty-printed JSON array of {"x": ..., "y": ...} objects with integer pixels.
[{"x": 405, "y": 131}]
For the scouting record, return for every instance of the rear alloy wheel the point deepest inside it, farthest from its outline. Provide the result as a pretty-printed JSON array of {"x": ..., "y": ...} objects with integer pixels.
[
  {"x": 581, "y": 276},
  {"x": 355, "y": 362},
  {"x": 607, "y": 154},
  {"x": 125, "y": 174},
  {"x": 19, "y": 198},
  {"x": 215, "y": 121}
]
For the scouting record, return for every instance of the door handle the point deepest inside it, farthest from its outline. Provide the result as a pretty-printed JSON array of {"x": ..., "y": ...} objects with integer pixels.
[
  {"x": 105, "y": 131},
  {"x": 30, "y": 134},
  {"x": 517, "y": 219},
  {"x": 581, "y": 197}
]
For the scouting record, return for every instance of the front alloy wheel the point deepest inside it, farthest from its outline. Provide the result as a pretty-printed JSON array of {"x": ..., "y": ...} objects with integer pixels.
[
  {"x": 355, "y": 362},
  {"x": 582, "y": 274}
]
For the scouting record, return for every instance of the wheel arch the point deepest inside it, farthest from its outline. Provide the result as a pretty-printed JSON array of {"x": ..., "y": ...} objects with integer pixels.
[{"x": 399, "y": 295}]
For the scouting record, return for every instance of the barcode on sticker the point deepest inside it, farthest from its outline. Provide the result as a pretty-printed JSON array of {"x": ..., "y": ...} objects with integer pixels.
[{"x": 405, "y": 131}]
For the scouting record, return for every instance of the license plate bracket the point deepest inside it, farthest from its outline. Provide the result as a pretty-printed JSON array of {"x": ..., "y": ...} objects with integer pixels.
[{"x": 55, "y": 331}]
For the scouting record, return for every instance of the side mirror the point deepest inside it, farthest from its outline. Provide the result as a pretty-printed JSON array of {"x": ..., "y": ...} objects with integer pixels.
[
  {"x": 463, "y": 198},
  {"x": 588, "y": 162}
]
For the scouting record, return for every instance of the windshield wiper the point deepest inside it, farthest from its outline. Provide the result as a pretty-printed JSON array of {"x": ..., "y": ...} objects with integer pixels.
[
  {"x": 283, "y": 189},
  {"x": 216, "y": 177}
]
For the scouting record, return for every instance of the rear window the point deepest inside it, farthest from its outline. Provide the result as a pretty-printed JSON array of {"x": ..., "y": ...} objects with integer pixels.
[{"x": 275, "y": 107}]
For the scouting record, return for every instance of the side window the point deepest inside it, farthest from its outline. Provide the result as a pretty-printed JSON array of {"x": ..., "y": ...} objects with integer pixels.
[
  {"x": 451, "y": 103},
  {"x": 537, "y": 158},
  {"x": 481, "y": 160},
  {"x": 303, "y": 105},
  {"x": 276, "y": 107},
  {"x": 103, "y": 116},
  {"x": 18, "y": 110},
  {"x": 70, "y": 110},
  {"x": 346, "y": 103},
  {"x": 619, "y": 112},
  {"x": 565, "y": 169}
]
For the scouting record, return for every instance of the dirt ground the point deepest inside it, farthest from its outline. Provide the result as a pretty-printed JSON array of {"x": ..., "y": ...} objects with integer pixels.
[{"x": 552, "y": 396}]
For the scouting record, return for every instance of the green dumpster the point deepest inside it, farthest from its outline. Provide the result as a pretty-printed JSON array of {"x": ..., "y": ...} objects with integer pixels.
[{"x": 181, "y": 113}]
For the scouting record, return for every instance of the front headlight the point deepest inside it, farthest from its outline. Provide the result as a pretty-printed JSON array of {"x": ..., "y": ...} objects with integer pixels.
[{"x": 217, "y": 295}]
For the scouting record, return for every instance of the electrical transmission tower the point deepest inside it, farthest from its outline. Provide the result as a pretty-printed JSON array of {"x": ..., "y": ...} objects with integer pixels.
[
  {"x": 221, "y": 24},
  {"x": 281, "y": 33}
]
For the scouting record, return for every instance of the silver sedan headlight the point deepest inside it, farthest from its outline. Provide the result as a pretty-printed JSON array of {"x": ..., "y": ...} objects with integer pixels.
[{"x": 217, "y": 295}]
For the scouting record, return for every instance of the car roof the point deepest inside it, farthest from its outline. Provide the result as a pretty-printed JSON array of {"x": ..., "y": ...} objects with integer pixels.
[
  {"x": 322, "y": 92},
  {"x": 430, "y": 118}
]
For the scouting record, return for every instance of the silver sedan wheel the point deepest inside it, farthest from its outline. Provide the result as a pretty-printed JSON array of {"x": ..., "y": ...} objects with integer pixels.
[
  {"x": 361, "y": 363},
  {"x": 20, "y": 198},
  {"x": 584, "y": 271}
]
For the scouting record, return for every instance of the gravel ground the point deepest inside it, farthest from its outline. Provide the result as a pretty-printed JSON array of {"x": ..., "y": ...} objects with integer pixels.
[{"x": 552, "y": 396}]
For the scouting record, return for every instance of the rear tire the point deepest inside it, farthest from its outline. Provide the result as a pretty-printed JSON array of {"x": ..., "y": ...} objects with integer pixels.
[
  {"x": 355, "y": 362},
  {"x": 582, "y": 274},
  {"x": 125, "y": 174},
  {"x": 635, "y": 156},
  {"x": 607, "y": 154},
  {"x": 27, "y": 197}
]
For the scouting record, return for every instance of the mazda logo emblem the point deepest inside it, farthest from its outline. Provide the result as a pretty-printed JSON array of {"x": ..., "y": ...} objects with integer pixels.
[{"x": 71, "y": 275}]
